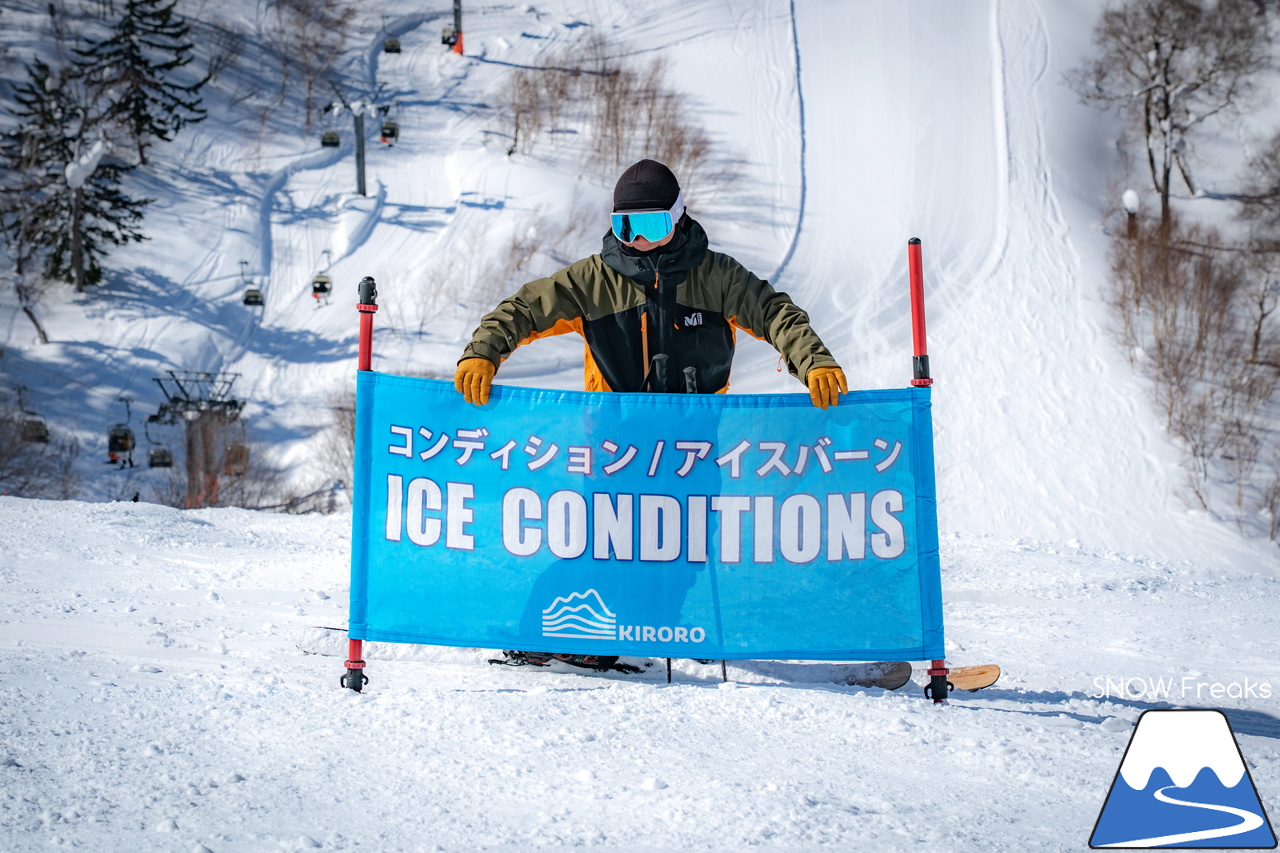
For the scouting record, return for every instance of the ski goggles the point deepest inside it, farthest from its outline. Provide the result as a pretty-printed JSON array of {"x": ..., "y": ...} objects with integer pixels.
[{"x": 652, "y": 225}]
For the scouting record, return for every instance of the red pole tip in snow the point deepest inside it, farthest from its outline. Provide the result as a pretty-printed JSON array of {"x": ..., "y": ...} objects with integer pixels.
[
  {"x": 354, "y": 677},
  {"x": 920, "y": 360},
  {"x": 457, "y": 46},
  {"x": 367, "y": 306}
]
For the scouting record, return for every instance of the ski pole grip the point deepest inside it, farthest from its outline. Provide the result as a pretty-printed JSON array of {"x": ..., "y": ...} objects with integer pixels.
[
  {"x": 691, "y": 380},
  {"x": 659, "y": 373}
]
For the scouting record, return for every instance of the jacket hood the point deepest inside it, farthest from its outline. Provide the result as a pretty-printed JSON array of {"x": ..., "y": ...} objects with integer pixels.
[{"x": 685, "y": 251}]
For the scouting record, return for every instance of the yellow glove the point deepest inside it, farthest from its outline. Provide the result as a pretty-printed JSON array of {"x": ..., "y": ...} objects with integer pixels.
[
  {"x": 826, "y": 384},
  {"x": 473, "y": 378}
]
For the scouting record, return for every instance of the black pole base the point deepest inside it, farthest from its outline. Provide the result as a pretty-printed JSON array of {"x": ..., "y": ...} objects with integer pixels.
[
  {"x": 938, "y": 685},
  {"x": 354, "y": 678}
]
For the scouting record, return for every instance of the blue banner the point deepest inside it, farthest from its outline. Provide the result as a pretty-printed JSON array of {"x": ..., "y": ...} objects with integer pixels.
[{"x": 693, "y": 526}]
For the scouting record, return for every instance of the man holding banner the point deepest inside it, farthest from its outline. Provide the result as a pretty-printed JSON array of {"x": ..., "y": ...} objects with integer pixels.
[{"x": 658, "y": 310}]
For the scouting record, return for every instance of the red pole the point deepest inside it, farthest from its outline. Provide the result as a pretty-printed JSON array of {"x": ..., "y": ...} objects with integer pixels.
[
  {"x": 364, "y": 360},
  {"x": 920, "y": 369},
  {"x": 920, "y": 360},
  {"x": 367, "y": 306}
]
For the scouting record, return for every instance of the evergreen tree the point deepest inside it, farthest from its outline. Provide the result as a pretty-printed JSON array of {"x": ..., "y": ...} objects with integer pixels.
[
  {"x": 84, "y": 218},
  {"x": 135, "y": 68},
  {"x": 62, "y": 196},
  {"x": 26, "y": 180},
  {"x": 33, "y": 154}
]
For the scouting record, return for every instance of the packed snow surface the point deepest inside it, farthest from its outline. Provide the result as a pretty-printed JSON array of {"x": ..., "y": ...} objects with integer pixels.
[
  {"x": 158, "y": 697},
  {"x": 167, "y": 680}
]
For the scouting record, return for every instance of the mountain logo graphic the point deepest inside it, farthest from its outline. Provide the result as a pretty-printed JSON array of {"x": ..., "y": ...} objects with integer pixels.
[
  {"x": 580, "y": 616},
  {"x": 1183, "y": 783}
]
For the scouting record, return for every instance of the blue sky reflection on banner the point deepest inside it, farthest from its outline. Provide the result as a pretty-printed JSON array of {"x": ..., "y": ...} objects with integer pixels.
[{"x": 716, "y": 526}]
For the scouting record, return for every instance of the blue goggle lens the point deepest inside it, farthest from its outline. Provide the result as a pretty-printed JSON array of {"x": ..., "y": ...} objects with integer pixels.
[{"x": 651, "y": 225}]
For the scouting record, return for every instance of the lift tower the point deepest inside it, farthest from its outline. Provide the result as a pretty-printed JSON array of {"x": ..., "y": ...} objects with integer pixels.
[{"x": 203, "y": 402}]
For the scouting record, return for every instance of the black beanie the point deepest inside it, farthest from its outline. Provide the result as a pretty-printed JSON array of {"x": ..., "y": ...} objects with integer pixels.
[{"x": 648, "y": 185}]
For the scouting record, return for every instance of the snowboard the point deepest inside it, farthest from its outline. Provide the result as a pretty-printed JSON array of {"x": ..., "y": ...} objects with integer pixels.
[
  {"x": 889, "y": 675},
  {"x": 972, "y": 678},
  {"x": 592, "y": 663}
]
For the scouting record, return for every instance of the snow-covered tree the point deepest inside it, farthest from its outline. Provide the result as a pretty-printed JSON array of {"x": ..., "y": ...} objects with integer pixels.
[
  {"x": 1169, "y": 66},
  {"x": 1260, "y": 199},
  {"x": 137, "y": 69},
  {"x": 310, "y": 36},
  {"x": 97, "y": 212},
  {"x": 62, "y": 194},
  {"x": 31, "y": 154},
  {"x": 27, "y": 153}
]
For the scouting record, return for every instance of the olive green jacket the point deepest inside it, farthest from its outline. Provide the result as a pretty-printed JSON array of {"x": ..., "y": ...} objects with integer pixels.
[{"x": 682, "y": 301}]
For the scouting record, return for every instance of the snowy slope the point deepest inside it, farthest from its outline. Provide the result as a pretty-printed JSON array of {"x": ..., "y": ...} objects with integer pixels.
[
  {"x": 941, "y": 129},
  {"x": 157, "y": 699}
]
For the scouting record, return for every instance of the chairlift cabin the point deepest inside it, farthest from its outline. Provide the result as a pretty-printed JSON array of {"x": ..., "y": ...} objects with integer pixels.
[
  {"x": 253, "y": 296},
  {"x": 321, "y": 285},
  {"x": 120, "y": 439},
  {"x": 449, "y": 36},
  {"x": 390, "y": 131},
  {"x": 160, "y": 457},
  {"x": 237, "y": 460},
  {"x": 34, "y": 430},
  {"x": 329, "y": 139},
  {"x": 391, "y": 45}
]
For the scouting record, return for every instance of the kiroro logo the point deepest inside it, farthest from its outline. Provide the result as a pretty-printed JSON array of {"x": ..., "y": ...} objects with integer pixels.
[
  {"x": 1183, "y": 782},
  {"x": 580, "y": 616}
]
